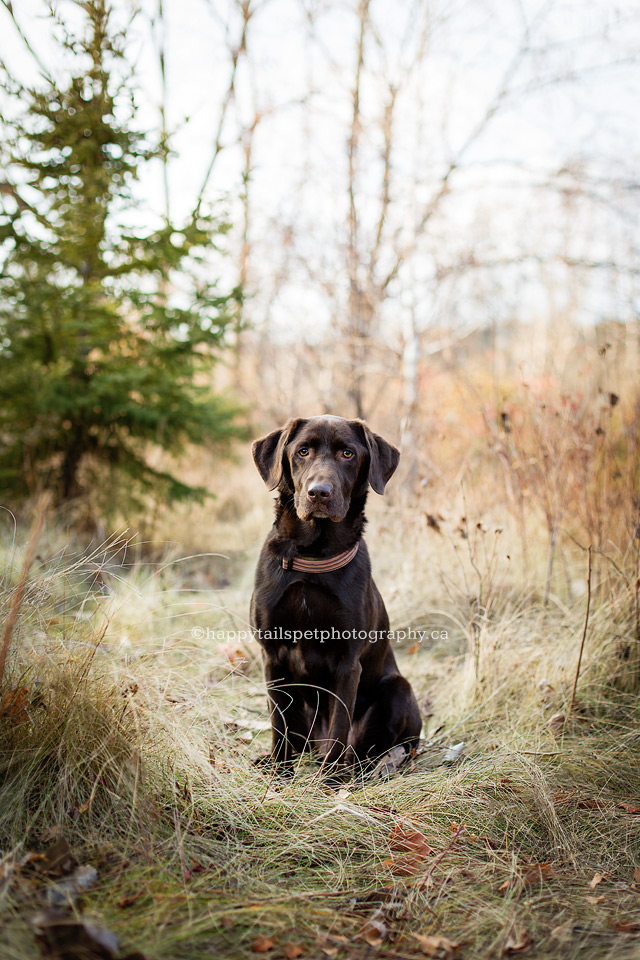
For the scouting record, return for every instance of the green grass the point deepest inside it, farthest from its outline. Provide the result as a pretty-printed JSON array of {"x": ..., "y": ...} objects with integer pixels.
[{"x": 137, "y": 744}]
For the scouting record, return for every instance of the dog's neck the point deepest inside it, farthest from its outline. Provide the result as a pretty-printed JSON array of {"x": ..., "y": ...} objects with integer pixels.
[{"x": 292, "y": 536}]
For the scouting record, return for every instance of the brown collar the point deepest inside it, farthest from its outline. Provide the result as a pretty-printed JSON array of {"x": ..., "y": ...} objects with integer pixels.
[{"x": 307, "y": 565}]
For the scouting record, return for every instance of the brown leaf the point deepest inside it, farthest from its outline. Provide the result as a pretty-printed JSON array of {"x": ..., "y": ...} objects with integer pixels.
[
  {"x": 262, "y": 945},
  {"x": 236, "y": 656},
  {"x": 592, "y": 803},
  {"x": 226, "y": 922},
  {"x": 375, "y": 932},
  {"x": 629, "y": 807},
  {"x": 597, "y": 878},
  {"x": 517, "y": 943},
  {"x": 404, "y": 865},
  {"x": 65, "y": 938},
  {"x": 531, "y": 874},
  {"x": 435, "y": 946},
  {"x": 626, "y": 926},
  {"x": 408, "y": 840},
  {"x": 636, "y": 874},
  {"x": 327, "y": 949},
  {"x": 292, "y": 951},
  {"x": 536, "y": 873},
  {"x": 15, "y": 705},
  {"x": 595, "y": 900},
  {"x": 413, "y": 851},
  {"x": 414, "y": 648}
]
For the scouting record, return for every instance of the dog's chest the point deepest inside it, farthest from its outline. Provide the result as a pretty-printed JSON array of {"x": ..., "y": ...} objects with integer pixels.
[
  {"x": 307, "y": 606},
  {"x": 305, "y": 629}
]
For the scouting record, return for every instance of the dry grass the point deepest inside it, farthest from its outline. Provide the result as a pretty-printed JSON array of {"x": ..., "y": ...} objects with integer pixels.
[{"x": 134, "y": 740}]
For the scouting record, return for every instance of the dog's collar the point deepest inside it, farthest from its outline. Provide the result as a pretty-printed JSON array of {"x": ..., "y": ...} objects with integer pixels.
[{"x": 306, "y": 565}]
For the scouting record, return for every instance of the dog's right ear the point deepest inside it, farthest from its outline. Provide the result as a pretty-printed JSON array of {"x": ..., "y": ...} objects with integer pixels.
[{"x": 268, "y": 453}]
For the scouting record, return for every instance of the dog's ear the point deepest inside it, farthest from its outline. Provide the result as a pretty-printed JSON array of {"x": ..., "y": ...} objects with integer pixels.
[
  {"x": 268, "y": 453},
  {"x": 383, "y": 458}
]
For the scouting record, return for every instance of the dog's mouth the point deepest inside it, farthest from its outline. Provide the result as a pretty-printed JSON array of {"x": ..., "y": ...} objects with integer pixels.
[{"x": 320, "y": 511}]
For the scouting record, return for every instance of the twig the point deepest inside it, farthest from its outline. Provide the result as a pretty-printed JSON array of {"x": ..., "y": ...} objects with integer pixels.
[
  {"x": 441, "y": 856},
  {"x": 584, "y": 633},
  {"x": 36, "y": 529}
]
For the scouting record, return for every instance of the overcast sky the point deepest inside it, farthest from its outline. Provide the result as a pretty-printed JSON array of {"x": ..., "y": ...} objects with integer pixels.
[{"x": 563, "y": 79}]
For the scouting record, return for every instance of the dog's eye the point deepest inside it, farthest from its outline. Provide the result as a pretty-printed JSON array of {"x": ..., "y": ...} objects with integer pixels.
[
  {"x": 303, "y": 452},
  {"x": 347, "y": 454}
]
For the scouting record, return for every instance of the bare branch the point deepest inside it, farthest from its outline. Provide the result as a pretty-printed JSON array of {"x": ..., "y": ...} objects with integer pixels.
[
  {"x": 493, "y": 108},
  {"x": 9, "y": 8}
]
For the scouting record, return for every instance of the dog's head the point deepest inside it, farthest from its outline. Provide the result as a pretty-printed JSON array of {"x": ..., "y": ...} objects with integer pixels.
[{"x": 323, "y": 462}]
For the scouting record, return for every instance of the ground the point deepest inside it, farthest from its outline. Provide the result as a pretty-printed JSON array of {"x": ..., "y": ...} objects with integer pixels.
[{"x": 130, "y": 728}]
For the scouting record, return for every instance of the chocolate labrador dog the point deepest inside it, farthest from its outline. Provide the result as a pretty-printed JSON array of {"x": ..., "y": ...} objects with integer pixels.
[{"x": 332, "y": 678}]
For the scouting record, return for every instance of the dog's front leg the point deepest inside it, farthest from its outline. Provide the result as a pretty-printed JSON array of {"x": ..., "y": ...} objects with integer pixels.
[
  {"x": 342, "y": 703},
  {"x": 284, "y": 704}
]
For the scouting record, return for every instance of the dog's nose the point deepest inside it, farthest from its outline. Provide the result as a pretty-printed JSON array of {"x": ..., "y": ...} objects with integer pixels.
[{"x": 320, "y": 491}]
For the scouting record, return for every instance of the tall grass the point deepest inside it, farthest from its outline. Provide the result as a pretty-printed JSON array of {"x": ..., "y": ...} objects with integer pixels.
[{"x": 134, "y": 739}]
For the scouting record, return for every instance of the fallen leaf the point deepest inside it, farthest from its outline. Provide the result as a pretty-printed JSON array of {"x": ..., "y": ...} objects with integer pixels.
[
  {"x": 413, "y": 851},
  {"x": 375, "y": 932},
  {"x": 434, "y": 946},
  {"x": 556, "y": 723},
  {"x": 517, "y": 943},
  {"x": 536, "y": 873},
  {"x": 626, "y": 926},
  {"x": 597, "y": 878},
  {"x": 326, "y": 948},
  {"x": 15, "y": 705},
  {"x": 629, "y": 807},
  {"x": 595, "y": 900},
  {"x": 236, "y": 656},
  {"x": 409, "y": 840},
  {"x": 529, "y": 875},
  {"x": 636, "y": 874},
  {"x": 592, "y": 803},
  {"x": 292, "y": 951},
  {"x": 262, "y": 945},
  {"x": 63, "y": 937},
  {"x": 413, "y": 648}
]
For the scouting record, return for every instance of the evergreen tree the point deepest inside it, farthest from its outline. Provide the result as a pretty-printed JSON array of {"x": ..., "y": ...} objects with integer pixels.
[{"x": 107, "y": 332}]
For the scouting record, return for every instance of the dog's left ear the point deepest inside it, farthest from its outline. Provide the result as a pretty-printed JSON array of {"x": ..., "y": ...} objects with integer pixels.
[
  {"x": 383, "y": 458},
  {"x": 268, "y": 453}
]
